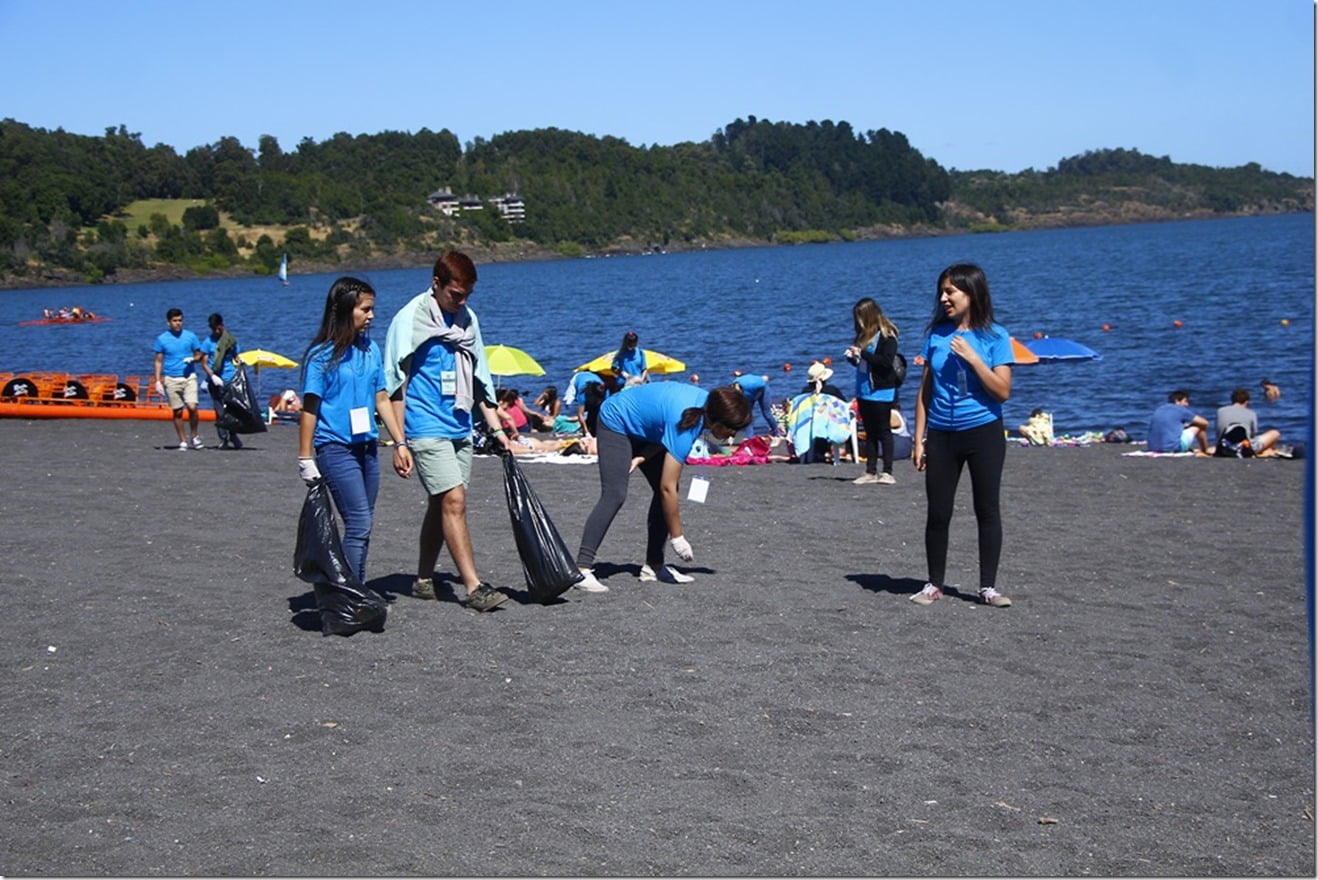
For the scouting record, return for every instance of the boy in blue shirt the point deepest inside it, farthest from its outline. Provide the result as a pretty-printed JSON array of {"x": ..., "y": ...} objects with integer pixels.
[{"x": 177, "y": 350}]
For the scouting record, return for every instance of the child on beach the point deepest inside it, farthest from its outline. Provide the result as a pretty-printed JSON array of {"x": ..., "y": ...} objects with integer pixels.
[
  {"x": 343, "y": 392},
  {"x": 958, "y": 421}
]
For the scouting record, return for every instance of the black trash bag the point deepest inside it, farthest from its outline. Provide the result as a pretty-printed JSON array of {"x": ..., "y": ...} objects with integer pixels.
[
  {"x": 242, "y": 414},
  {"x": 346, "y": 605},
  {"x": 549, "y": 566}
]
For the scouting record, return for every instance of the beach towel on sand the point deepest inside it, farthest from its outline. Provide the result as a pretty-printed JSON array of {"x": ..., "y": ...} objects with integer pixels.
[{"x": 812, "y": 417}]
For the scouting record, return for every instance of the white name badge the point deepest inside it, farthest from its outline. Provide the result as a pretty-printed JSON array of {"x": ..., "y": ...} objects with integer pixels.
[
  {"x": 448, "y": 383},
  {"x": 699, "y": 489},
  {"x": 360, "y": 420}
]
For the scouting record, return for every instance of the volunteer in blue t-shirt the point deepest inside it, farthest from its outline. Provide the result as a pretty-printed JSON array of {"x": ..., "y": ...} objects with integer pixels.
[
  {"x": 177, "y": 350},
  {"x": 652, "y": 427},
  {"x": 220, "y": 350},
  {"x": 756, "y": 389},
  {"x": 342, "y": 393},
  {"x": 958, "y": 421},
  {"x": 629, "y": 363}
]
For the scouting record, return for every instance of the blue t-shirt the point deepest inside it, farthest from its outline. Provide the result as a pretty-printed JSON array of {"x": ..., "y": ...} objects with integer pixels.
[
  {"x": 651, "y": 413},
  {"x": 1166, "y": 425},
  {"x": 864, "y": 389},
  {"x": 577, "y": 387},
  {"x": 429, "y": 410},
  {"x": 959, "y": 401},
  {"x": 175, "y": 349},
  {"x": 354, "y": 383},
  {"x": 751, "y": 385},
  {"x": 226, "y": 370},
  {"x": 630, "y": 362}
]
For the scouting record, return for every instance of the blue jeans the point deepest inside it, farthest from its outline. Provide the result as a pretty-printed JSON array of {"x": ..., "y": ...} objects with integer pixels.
[
  {"x": 762, "y": 398},
  {"x": 353, "y": 475}
]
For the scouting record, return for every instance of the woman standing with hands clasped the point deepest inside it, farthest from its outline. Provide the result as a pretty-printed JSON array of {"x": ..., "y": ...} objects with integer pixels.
[
  {"x": 872, "y": 353},
  {"x": 342, "y": 392},
  {"x": 652, "y": 427},
  {"x": 958, "y": 421}
]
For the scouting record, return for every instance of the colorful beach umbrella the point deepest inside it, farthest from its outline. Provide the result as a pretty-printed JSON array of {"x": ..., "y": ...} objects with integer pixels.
[
  {"x": 1022, "y": 354},
  {"x": 657, "y": 363},
  {"x": 508, "y": 361},
  {"x": 1055, "y": 348}
]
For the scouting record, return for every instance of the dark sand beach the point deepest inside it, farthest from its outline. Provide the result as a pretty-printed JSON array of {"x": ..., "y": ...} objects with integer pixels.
[{"x": 1143, "y": 709}]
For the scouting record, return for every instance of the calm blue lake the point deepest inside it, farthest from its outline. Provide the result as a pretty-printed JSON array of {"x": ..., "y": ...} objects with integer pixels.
[{"x": 1243, "y": 290}]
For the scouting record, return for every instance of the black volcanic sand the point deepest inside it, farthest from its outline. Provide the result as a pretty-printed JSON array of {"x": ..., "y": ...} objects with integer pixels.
[{"x": 171, "y": 707}]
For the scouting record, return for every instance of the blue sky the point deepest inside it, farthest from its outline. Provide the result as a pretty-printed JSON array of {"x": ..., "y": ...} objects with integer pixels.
[{"x": 1005, "y": 85}]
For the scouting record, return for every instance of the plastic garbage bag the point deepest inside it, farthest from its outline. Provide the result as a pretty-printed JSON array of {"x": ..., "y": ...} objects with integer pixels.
[
  {"x": 346, "y": 605},
  {"x": 242, "y": 414},
  {"x": 548, "y": 565}
]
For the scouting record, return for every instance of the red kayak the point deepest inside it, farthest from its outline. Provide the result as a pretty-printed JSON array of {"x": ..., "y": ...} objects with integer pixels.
[{"x": 39, "y": 322}]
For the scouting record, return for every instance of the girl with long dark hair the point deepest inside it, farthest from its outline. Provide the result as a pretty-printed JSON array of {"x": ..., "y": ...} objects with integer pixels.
[
  {"x": 958, "y": 422},
  {"x": 342, "y": 393}
]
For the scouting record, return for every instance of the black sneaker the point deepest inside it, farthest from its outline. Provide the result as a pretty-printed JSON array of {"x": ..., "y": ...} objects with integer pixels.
[{"x": 485, "y": 598}]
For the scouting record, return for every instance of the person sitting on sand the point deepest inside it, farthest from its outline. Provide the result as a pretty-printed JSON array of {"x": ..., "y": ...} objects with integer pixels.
[
  {"x": 509, "y": 413},
  {"x": 1039, "y": 429},
  {"x": 1175, "y": 427},
  {"x": 1238, "y": 414},
  {"x": 286, "y": 401}
]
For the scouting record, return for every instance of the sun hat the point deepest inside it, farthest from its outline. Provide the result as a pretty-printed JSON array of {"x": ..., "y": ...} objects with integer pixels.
[{"x": 819, "y": 373}]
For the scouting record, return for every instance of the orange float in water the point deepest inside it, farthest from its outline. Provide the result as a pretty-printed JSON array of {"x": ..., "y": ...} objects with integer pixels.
[
  {"x": 1038, "y": 335},
  {"x": 828, "y": 362},
  {"x": 1176, "y": 323},
  {"x": 1107, "y": 326},
  {"x": 787, "y": 368},
  {"x": 1285, "y": 322}
]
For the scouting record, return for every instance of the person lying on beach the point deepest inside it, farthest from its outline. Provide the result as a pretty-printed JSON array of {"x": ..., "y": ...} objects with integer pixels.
[{"x": 1039, "y": 429}]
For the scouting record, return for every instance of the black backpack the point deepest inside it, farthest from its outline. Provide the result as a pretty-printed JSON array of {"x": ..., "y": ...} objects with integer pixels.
[{"x": 1234, "y": 443}]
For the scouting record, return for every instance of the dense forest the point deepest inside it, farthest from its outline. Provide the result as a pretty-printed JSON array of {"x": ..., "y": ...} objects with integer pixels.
[{"x": 83, "y": 208}]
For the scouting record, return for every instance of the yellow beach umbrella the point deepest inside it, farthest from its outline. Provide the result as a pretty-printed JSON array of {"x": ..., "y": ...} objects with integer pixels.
[
  {"x": 656, "y": 362},
  {"x": 259, "y": 357},
  {"x": 508, "y": 361}
]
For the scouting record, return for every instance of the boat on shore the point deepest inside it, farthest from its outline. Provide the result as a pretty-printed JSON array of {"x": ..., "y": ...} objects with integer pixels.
[{"x": 34, "y": 394}]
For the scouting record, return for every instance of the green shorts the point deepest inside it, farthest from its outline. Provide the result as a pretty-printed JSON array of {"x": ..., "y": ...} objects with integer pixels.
[{"x": 441, "y": 464}]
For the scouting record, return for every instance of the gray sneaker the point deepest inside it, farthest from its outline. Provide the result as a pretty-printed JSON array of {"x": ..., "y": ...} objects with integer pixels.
[
  {"x": 423, "y": 588},
  {"x": 886, "y": 479},
  {"x": 865, "y": 479},
  {"x": 485, "y": 598}
]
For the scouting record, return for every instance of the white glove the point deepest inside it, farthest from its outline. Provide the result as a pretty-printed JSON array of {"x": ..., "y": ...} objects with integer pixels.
[
  {"x": 682, "y": 547},
  {"x": 307, "y": 470},
  {"x": 216, "y": 380},
  {"x": 160, "y": 389}
]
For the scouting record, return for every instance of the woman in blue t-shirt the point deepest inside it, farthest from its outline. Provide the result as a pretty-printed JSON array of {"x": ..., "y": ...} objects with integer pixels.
[
  {"x": 871, "y": 352},
  {"x": 958, "y": 421},
  {"x": 342, "y": 393},
  {"x": 629, "y": 363},
  {"x": 652, "y": 427}
]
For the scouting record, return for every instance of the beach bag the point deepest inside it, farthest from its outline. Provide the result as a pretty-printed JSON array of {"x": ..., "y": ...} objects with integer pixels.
[
  {"x": 895, "y": 378},
  {"x": 548, "y": 565},
  {"x": 346, "y": 604},
  {"x": 242, "y": 414},
  {"x": 1234, "y": 443}
]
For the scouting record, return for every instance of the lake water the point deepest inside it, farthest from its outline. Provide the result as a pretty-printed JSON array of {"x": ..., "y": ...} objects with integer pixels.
[{"x": 1242, "y": 288}]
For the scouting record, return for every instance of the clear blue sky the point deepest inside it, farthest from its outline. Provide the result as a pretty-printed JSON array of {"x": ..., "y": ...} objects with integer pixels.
[{"x": 1006, "y": 84}]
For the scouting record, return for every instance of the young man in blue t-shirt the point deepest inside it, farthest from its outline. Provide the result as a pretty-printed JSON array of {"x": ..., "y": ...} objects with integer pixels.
[
  {"x": 177, "y": 351},
  {"x": 1175, "y": 427}
]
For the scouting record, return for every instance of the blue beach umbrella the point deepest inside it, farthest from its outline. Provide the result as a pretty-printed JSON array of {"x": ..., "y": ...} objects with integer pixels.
[{"x": 1055, "y": 348}]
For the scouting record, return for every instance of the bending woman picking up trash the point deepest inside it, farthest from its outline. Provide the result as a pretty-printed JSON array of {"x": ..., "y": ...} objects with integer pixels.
[
  {"x": 652, "y": 427},
  {"x": 967, "y": 378}
]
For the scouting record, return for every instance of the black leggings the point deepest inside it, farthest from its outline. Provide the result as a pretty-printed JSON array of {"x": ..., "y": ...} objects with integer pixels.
[
  {"x": 984, "y": 449},
  {"x": 877, "y": 418},
  {"x": 616, "y": 452}
]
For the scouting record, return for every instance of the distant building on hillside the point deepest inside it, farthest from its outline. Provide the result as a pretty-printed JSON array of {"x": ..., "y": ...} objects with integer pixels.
[{"x": 510, "y": 205}]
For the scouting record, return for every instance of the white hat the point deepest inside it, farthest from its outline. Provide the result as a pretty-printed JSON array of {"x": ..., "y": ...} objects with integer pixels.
[{"x": 819, "y": 373}]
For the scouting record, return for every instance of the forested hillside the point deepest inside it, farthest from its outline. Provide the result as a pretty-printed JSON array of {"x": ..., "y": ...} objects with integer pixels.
[{"x": 79, "y": 208}]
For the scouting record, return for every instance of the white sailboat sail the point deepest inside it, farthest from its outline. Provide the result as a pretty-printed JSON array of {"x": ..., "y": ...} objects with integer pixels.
[{"x": 283, "y": 270}]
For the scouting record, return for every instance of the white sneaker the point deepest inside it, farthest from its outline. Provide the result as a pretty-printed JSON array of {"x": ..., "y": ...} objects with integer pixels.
[
  {"x": 666, "y": 573},
  {"x": 864, "y": 479},
  {"x": 197, "y": 444},
  {"x": 184, "y": 445},
  {"x": 886, "y": 479},
  {"x": 589, "y": 583}
]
